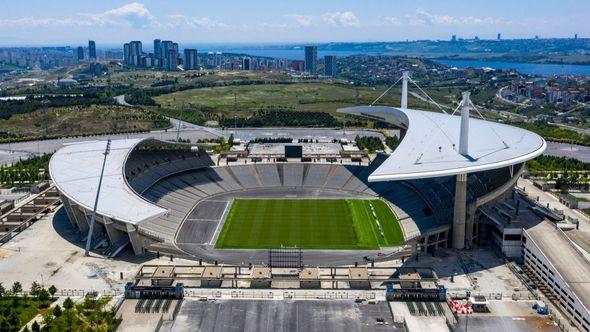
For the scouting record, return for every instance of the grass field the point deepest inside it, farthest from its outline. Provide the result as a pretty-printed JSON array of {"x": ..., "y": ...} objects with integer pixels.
[
  {"x": 76, "y": 120},
  {"x": 241, "y": 100},
  {"x": 309, "y": 224}
]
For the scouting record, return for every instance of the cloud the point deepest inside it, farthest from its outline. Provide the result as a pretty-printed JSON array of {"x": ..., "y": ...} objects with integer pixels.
[
  {"x": 134, "y": 15},
  {"x": 273, "y": 25},
  {"x": 181, "y": 21},
  {"x": 389, "y": 20},
  {"x": 342, "y": 19},
  {"x": 425, "y": 18},
  {"x": 301, "y": 20},
  {"x": 43, "y": 22}
]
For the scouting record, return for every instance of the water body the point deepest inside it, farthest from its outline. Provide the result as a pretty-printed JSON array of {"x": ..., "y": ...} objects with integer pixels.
[
  {"x": 523, "y": 68},
  {"x": 290, "y": 54}
]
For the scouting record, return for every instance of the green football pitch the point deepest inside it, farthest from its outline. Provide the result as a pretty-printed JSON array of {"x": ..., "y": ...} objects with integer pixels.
[{"x": 309, "y": 224}]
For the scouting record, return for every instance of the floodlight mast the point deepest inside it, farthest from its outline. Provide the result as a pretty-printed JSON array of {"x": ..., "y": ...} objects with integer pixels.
[
  {"x": 93, "y": 218},
  {"x": 405, "y": 77},
  {"x": 464, "y": 134}
]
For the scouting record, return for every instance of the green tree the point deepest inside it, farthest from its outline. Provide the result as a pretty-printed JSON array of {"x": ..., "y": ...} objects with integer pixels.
[
  {"x": 2, "y": 290},
  {"x": 43, "y": 295},
  {"x": 52, "y": 290},
  {"x": 68, "y": 304},
  {"x": 17, "y": 288},
  {"x": 57, "y": 311},
  {"x": 35, "y": 327},
  {"x": 35, "y": 288}
]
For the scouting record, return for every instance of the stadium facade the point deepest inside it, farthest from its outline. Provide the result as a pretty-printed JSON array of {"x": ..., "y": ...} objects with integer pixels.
[{"x": 164, "y": 196}]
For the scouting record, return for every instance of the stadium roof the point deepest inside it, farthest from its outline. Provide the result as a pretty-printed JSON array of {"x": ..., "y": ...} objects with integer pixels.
[
  {"x": 75, "y": 170},
  {"x": 430, "y": 145}
]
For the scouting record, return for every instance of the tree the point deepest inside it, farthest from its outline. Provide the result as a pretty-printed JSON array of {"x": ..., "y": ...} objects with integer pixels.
[
  {"x": 230, "y": 141},
  {"x": 52, "y": 290},
  {"x": 35, "y": 288},
  {"x": 68, "y": 304},
  {"x": 35, "y": 327},
  {"x": 43, "y": 295},
  {"x": 2, "y": 291},
  {"x": 57, "y": 311},
  {"x": 13, "y": 319},
  {"x": 16, "y": 288}
]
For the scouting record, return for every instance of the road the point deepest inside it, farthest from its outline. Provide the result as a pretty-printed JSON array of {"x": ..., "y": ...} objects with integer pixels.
[
  {"x": 579, "y": 152},
  {"x": 121, "y": 101},
  {"x": 578, "y": 130},
  {"x": 10, "y": 153},
  {"x": 499, "y": 96}
]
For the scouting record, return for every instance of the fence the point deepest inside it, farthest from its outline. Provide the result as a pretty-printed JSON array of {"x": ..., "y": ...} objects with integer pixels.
[{"x": 279, "y": 294}]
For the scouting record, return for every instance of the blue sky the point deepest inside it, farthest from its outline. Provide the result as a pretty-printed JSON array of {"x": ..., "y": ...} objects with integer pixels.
[{"x": 60, "y": 22}]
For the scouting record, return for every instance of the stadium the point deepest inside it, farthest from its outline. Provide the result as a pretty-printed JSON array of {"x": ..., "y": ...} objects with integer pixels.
[{"x": 338, "y": 207}]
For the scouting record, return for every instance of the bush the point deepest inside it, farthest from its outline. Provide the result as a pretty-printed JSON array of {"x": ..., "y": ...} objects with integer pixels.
[{"x": 369, "y": 143}]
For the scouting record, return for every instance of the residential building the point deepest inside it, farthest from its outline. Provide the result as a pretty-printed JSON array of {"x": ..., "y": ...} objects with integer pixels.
[
  {"x": 311, "y": 59},
  {"x": 91, "y": 49},
  {"x": 80, "y": 53},
  {"x": 190, "y": 59},
  {"x": 246, "y": 64},
  {"x": 330, "y": 65}
]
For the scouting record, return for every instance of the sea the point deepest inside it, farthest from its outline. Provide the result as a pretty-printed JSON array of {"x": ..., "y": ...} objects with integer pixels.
[{"x": 532, "y": 69}]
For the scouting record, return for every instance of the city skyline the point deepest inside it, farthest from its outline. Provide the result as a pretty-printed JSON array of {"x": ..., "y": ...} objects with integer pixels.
[{"x": 112, "y": 22}]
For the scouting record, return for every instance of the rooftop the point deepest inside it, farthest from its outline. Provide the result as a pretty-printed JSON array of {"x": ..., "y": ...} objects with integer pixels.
[
  {"x": 430, "y": 145},
  {"x": 75, "y": 170}
]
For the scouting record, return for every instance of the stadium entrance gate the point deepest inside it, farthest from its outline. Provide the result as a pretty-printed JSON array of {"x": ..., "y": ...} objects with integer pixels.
[{"x": 285, "y": 258}]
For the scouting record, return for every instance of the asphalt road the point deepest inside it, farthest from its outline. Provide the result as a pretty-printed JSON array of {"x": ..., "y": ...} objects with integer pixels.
[
  {"x": 14, "y": 151},
  {"x": 579, "y": 152},
  {"x": 268, "y": 315}
]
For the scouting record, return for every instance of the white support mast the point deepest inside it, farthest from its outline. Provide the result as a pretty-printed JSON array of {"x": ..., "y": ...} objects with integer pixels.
[
  {"x": 405, "y": 77},
  {"x": 464, "y": 135},
  {"x": 93, "y": 218}
]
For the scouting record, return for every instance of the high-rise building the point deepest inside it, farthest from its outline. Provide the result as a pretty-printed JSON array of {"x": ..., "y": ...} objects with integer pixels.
[
  {"x": 157, "y": 49},
  {"x": 311, "y": 59},
  {"x": 330, "y": 65},
  {"x": 454, "y": 38},
  {"x": 576, "y": 36},
  {"x": 190, "y": 59},
  {"x": 135, "y": 53},
  {"x": 499, "y": 36},
  {"x": 246, "y": 63},
  {"x": 165, "y": 53},
  {"x": 126, "y": 53},
  {"x": 172, "y": 59},
  {"x": 80, "y": 53},
  {"x": 91, "y": 49}
]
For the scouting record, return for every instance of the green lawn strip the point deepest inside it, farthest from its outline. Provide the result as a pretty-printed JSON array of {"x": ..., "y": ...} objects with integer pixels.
[
  {"x": 26, "y": 309},
  {"x": 391, "y": 227},
  {"x": 362, "y": 222},
  {"x": 305, "y": 223}
]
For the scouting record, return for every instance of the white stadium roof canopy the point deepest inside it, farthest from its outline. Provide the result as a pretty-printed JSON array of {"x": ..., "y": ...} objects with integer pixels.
[
  {"x": 75, "y": 170},
  {"x": 431, "y": 143}
]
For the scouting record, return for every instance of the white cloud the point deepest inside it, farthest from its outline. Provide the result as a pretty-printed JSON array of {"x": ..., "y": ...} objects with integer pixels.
[
  {"x": 272, "y": 25},
  {"x": 301, "y": 20},
  {"x": 425, "y": 18},
  {"x": 181, "y": 21},
  {"x": 389, "y": 20},
  {"x": 134, "y": 15},
  {"x": 343, "y": 19},
  {"x": 43, "y": 22}
]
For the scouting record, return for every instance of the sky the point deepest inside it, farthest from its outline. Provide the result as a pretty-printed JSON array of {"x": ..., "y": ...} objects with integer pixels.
[{"x": 110, "y": 22}]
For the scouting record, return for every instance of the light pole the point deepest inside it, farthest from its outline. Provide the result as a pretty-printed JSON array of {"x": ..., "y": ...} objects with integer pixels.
[{"x": 93, "y": 219}]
